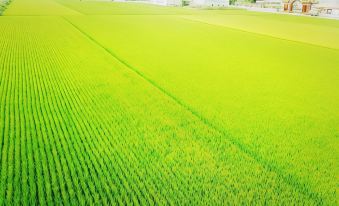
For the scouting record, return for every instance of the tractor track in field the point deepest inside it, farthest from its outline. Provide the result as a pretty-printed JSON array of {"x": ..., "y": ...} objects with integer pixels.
[{"x": 269, "y": 166}]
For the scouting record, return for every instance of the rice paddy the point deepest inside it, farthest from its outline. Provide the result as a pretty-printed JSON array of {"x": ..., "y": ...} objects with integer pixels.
[{"x": 131, "y": 104}]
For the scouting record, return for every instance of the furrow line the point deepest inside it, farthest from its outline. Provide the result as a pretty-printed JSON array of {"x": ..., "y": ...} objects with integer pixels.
[
  {"x": 82, "y": 103},
  {"x": 30, "y": 192},
  {"x": 6, "y": 131},
  {"x": 53, "y": 105},
  {"x": 104, "y": 126},
  {"x": 84, "y": 130}
]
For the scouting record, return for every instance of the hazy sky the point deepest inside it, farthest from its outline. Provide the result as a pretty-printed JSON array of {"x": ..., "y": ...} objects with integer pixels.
[{"x": 329, "y": 1}]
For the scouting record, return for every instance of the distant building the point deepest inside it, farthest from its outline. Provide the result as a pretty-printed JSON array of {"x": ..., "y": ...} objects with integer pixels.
[
  {"x": 167, "y": 2},
  {"x": 269, "y": 3},
  {"x": 327, "y": 7},
  {"x": 210, "y": 3},
  {"x": 301, "y": 6},
  {"x": 306, "y": 6}
]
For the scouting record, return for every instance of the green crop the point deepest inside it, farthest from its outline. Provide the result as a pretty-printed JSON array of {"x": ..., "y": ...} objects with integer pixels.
[{"x": 119, "y": 103}]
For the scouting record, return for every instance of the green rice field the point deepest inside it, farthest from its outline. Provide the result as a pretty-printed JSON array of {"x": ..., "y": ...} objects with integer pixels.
[{"x": 105, "y": 103}]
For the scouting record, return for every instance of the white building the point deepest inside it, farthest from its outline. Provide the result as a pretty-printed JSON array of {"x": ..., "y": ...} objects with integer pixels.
[
  {"x": 209, "y": 3},
  {"x": 167, "y": 2},
  {"x": 268, "y": 3}
]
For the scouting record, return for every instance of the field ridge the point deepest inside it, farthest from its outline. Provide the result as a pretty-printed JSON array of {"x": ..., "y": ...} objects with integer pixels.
[{"x": 260, "y": 34}]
